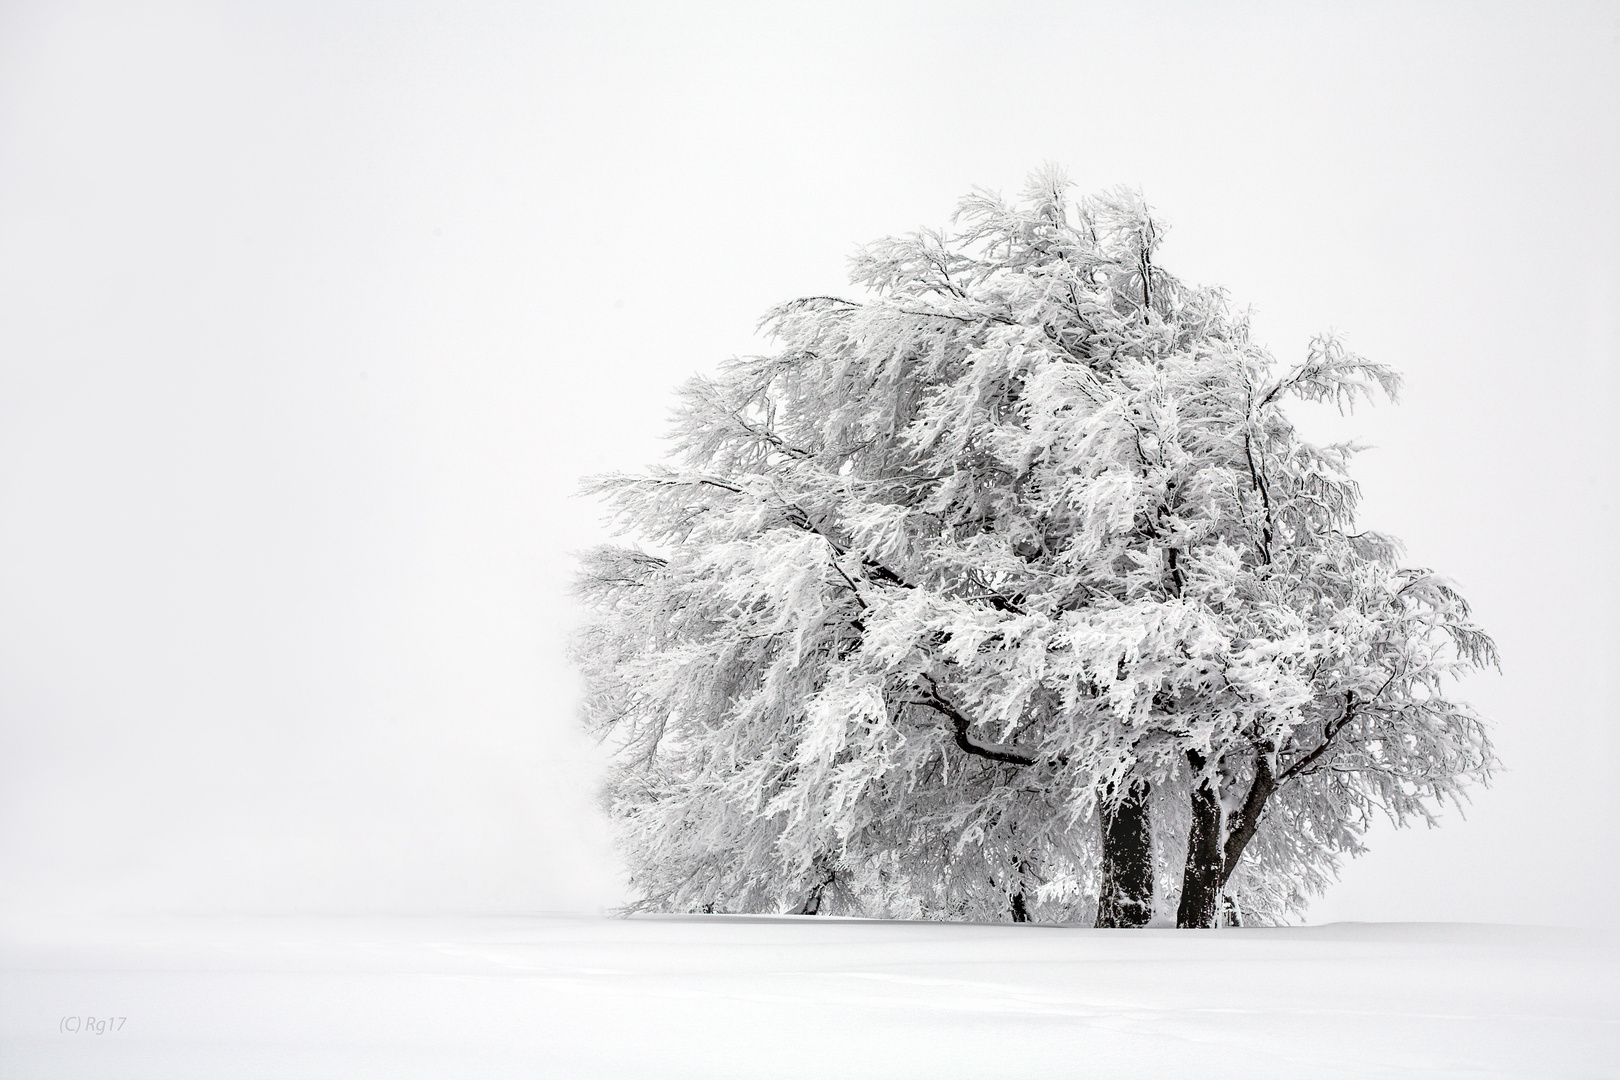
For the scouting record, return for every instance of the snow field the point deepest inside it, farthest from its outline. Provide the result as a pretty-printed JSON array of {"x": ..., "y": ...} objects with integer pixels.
[{"x": 739, "y": 996}]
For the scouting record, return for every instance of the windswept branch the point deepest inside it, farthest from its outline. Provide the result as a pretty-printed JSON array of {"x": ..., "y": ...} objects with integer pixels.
[{"x": 799, "y": 518}]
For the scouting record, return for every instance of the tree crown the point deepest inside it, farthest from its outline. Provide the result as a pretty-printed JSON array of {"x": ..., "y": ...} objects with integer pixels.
[{"x": 935, "y": 577}]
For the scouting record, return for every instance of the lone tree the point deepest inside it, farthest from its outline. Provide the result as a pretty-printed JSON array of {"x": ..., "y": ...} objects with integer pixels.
[{"x": 1010, "y": 592}]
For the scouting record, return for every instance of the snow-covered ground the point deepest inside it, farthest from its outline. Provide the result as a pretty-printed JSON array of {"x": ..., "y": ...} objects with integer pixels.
[{"x": 721, "y": 996}]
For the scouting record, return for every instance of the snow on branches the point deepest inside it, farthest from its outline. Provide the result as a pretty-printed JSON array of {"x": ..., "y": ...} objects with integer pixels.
[{"x": 1010, "y": 591}]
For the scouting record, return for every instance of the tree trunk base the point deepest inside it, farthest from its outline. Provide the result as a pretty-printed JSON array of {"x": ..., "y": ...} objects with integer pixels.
[
  {"x": 1201, "y": 884},
  {"x": 1126, "y": 899}
]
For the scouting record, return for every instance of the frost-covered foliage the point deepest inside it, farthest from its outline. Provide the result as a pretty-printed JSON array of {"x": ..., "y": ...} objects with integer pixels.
[{"x": 925, "y": 588}]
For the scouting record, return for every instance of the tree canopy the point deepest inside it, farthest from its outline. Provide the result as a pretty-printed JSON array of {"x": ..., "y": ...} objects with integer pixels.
[{"x": 1009, "y": 590}]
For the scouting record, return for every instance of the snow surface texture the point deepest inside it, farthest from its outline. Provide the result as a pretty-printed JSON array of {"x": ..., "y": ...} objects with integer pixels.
[{"x": 745, "y": 996}]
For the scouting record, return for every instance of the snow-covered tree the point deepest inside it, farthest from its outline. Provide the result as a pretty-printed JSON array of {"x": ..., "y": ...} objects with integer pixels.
[{"x": 1011, "y": 591}]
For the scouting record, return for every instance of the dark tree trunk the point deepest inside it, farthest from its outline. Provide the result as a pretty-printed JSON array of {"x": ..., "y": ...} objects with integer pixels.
[
  {"x": 1126, "y": 900},
  {"x": 1020, "y": 901},
  {"x": 812, "y": 902},
  {"x": 1201, "y": 884},
  {"x": 1215, "y": 845}
]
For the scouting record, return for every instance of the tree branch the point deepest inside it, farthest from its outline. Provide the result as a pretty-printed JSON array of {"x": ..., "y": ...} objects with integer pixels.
[
  {"x": 1328, "y": 736},
  {"x": 771, "y": 437},
  {"x": 960, "y": 725},
  {"x": 796, "y": 516},
  {"x": 1248, "y": 818},
  {"x": 1265, "y": 498}
]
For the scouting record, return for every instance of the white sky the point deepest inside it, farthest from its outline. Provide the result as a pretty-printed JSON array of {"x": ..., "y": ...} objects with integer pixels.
[{"x": 311, "y": 315}]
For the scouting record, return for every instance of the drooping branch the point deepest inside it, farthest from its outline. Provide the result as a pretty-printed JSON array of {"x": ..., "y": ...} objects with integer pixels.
[
  {"x": 796, "y": 516},
  {"x": 960, "y": 725},
  {"x": 615, "y": 576},
  {"x": 799, "y": 518}
]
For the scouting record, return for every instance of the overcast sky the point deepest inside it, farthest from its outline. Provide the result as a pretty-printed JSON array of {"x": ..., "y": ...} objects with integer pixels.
[{"x": 312, "y": 315}]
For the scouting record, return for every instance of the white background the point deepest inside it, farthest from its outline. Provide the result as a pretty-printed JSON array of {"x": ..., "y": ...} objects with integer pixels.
[{"x": 311, "y": 315}]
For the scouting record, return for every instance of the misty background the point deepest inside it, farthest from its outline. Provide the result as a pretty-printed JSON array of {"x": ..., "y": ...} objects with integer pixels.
[{"x": 312, "y": 315}]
